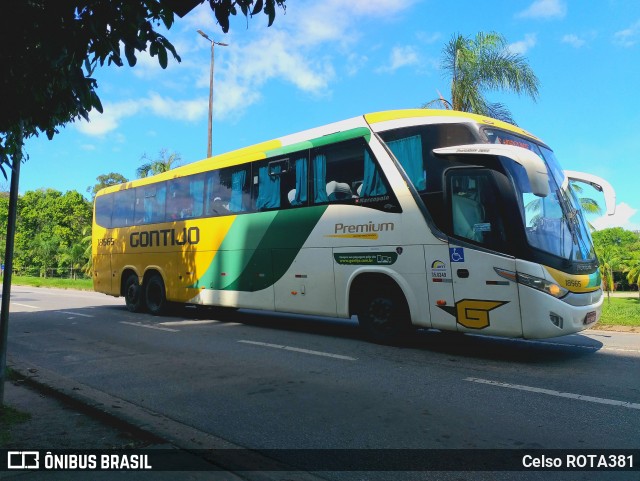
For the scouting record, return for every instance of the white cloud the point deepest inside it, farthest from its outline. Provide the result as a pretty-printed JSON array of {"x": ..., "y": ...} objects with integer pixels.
[
  {"x": 400, "y": 57},
  {"x": 622, "y": 218},
  {"x": 523, "y": 46},
  {"x": 294, "y": 51},
  {"x": 629, "y": 36},
  {"x": 573, "y": 40},
  {"x": 545, "y": 9},
  {"x": 109, "y": 120}
]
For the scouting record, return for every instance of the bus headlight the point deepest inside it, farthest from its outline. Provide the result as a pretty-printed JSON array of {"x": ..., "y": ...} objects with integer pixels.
[{"x": 538, "y": 283}]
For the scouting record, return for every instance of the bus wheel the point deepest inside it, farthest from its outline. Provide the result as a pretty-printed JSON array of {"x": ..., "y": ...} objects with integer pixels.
[
  {"x": 133, "y": 293},
  {"x": 383, "y": 314},
  {"x": 155, "y": 295}
]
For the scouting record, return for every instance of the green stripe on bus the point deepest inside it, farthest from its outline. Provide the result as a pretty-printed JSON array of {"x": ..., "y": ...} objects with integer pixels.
[
  {"x": 239, "y": 243},
  {"x": 259, "y": 249},
  {"x": 321, "y": 141},
  {"x": 278, "y": 248}
]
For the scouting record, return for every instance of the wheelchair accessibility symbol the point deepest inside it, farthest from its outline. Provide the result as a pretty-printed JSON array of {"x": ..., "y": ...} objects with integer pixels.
[{"x": 456, "y": 254}]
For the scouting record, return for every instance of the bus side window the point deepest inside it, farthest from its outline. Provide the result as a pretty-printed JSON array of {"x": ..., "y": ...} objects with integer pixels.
[
  {"x": 281, "y": 183},
  {"x": 150, "y": 203},
  {"x": 104, "y": 208},
  {"x": 295, "y": 185},
  {"x": 235, "y": 186},
  {"x": 217, "y": 200},
  {"x": 123, "y": 208},
  {"x": 344, "y": 172}
]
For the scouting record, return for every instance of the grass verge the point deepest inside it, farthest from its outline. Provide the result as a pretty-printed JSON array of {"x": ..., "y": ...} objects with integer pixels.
[
  {"x": 621, "y": 311},
  {"x": 81, "y": 284}
]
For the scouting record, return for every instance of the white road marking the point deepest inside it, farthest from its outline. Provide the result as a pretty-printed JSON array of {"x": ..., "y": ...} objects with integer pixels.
[
  {"x": 551, "y": 392},
  {"x": 75, "y": 314},
  {"x": 187, "y": 322},
  {"x": 298, "y": 349},
  {"x": 24, "y": 305},
  {"x": 139, "y": 324}
]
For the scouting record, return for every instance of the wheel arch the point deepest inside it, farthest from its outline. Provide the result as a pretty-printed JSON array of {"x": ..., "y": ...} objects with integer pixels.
[
  {"x": 365, "y": 277},
  {"x": 124, "y": 275}
]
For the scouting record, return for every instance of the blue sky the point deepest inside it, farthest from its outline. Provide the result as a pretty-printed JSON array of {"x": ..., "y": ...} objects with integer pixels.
[{"x": 330, "y": 60}]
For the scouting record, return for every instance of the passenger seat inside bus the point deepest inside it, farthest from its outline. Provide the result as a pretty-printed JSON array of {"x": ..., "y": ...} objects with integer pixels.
[
  {"x": 467, "y": 213},
  {"x": 338, "y": 191}
]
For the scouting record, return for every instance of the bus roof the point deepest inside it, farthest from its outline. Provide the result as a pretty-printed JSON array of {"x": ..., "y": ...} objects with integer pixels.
[{"x": 343, "y": 130}]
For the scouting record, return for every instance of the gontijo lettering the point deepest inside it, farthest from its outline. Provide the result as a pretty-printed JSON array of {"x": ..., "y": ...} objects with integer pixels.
[{"x": 165, "y": 237}]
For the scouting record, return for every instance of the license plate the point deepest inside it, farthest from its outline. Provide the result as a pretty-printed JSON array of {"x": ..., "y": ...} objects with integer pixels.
[{"x": 591, "y": 317}]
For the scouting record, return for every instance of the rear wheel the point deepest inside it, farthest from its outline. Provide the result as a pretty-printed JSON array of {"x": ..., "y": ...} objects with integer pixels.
[
  {"x": 383, "y": 314},
  {"x": 133, "y": 294},
  {"x": 155, "y": 295}
]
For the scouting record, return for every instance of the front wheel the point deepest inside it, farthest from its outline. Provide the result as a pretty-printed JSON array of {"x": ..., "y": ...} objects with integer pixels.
[
  {"x": 133, "y": 294},
  {"x": 155, "y": 295},
  {"x": 383, "y": 315}
]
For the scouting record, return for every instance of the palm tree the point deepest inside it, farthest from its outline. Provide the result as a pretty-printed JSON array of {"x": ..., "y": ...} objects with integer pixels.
[
  {"x": 163, "y": 164},
  {"x": 87, "y": 268},
  {"x": 610, "y": 261},
  {"x": 589, "y": 205},
  {"x": 481, "y": 64},
  {"x": 74, "y": 257},
  {"x": 632, "y": 269}
]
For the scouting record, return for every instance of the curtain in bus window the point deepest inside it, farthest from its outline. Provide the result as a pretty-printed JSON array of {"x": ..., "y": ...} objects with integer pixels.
[
  {"x": 408, "y": 151},
  {"x": 268, "y": 188},
  {"x": 372, "y": 184},
  {"x": 196, "y": 191},
  {"x": 301, "y": 182},
  {"x": 320, "y": 179},
  {"x": 237, "y": 186}
]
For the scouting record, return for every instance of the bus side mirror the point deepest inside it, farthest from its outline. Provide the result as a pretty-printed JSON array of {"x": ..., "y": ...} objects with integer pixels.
[
  {"x": 532, "y": 163},
  {"x": 597, "y": 183}
]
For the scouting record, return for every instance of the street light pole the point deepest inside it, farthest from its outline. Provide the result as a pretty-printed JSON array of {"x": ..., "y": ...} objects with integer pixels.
[{"x": 213, "y": 44}]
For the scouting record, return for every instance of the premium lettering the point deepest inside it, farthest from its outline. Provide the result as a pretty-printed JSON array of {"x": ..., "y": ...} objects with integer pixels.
[
  {"x": 363, "y": 228},
  {"x": 165, "y": 237}
]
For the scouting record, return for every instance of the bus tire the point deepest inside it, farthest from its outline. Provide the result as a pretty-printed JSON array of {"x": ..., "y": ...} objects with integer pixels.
[
  {"x": 155, "y": 295},
  {"x": 133, "y": 293},
  {"x": 383, "y": 314}
]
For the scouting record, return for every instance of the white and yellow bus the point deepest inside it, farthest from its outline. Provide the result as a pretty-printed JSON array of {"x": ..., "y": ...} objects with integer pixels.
[{"x": 423, "y": 218}]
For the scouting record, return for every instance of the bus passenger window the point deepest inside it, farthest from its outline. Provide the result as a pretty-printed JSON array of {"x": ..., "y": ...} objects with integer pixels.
[
  {"x": 217, "y": 201},
  {"x": 104, "y": 207},
  {"x": 345, "y": 172},
  {"x": 267, "y": 186},
  {"x": 179, "y": 202},
  {"x": 123, "y": 208},
  {"x": 235, "y": 189},
  {"x": 150, "y": 203}
]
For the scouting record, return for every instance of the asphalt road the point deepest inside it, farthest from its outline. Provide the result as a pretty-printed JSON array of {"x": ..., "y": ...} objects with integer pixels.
[{"x": 268, "y": 381}]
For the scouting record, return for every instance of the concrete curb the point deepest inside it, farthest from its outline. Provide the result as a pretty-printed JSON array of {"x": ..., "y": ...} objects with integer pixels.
[{"x": 154, "y": 427}]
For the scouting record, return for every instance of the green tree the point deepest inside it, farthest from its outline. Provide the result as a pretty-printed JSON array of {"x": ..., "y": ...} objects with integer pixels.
[
  {"x": 45, "y": 250},
  {"x": 44, "y": 215},
  {"x": 632, "y": 268},
  {"x": 106, "y": 180},
  {"x": 481, "y": 64},
  {"x": 617, "y": 250},
  {"x": 73, "y": 258},
  {"x": 610, "y": 261},
  {"x": 163, "y": 163},
  {"x": 49, "y": 51}
]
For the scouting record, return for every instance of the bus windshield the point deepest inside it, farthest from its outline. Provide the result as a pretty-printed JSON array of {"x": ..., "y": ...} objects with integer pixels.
[{"x": 556, "y": 223}]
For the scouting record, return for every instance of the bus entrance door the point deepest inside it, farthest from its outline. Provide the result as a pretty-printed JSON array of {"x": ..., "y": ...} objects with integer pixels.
[
  {"x": 440, "y": 285},
  {"x": 484, "y": 302}
]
